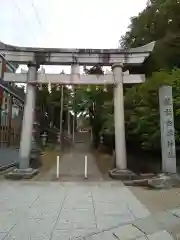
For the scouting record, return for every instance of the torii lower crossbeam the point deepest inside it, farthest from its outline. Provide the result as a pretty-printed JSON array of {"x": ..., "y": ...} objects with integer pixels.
[{"x": 70, "y": 79}]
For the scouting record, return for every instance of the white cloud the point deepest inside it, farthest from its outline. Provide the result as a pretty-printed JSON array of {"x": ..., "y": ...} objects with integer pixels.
[{"x": 66, "y": 23}]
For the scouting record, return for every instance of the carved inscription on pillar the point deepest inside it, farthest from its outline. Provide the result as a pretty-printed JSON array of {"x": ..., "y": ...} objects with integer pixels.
[{"x": 167, "y": 129}]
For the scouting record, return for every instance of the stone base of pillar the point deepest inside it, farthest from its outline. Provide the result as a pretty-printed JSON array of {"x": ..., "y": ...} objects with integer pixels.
[
  {"x": 35, "y": 158},
  {"x": 34, "y": 161},
  {"x": 164, "y": 181},
  {"x": 122, "y": 175},
  {"x": 18, "y": 174}
]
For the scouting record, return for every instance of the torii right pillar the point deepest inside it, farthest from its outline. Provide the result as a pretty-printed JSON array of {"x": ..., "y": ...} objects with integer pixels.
[{"x": 120, "y": 140}]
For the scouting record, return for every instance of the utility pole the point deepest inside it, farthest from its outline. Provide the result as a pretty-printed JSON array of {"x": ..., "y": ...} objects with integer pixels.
[
  {"x": 69, "y": 130},
  {"x": 74, "y": 115},
  {"x": 61, "y": 115}
]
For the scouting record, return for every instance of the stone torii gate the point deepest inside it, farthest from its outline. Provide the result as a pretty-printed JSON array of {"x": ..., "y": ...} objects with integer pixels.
[{"x": 116, "y": 58}]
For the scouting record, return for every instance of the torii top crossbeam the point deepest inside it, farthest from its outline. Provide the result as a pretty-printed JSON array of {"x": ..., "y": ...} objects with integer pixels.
[{"x": 64, "y": 56}]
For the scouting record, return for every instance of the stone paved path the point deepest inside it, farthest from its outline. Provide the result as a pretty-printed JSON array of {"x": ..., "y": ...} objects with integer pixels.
[
  {"x": 60, "y": 210},
  {"x": 162, "y": 225},
  {"x": 72, "y": 165},
  {"x": 69, "y": 207}
]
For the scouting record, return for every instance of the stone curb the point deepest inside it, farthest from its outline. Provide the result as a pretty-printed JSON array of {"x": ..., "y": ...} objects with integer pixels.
[
  {"x": 161, "y": 181},
  {"x": 3, "y": 168},
  {"x": 164, "y": 225},
  {"x": 18, "y": 174},
  {"x": 10, "y": 169}
]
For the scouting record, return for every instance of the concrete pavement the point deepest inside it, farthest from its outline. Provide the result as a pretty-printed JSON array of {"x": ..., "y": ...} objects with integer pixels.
[
  {"x": 73, "y": 207},
  {"x": 164, "y": 225},
  {"x": 54, "y": 210}
]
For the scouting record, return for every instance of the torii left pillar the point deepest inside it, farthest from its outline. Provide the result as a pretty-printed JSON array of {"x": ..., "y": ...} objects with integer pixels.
[
  {"x": 120, "y": 141},
  {"x": 28, "y": 119}
]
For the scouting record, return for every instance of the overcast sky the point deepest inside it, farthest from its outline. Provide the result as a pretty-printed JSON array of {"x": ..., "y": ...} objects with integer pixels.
[{"x": 66, "y": 23}]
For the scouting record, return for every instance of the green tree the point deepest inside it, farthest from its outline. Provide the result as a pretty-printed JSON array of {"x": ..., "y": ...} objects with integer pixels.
[
  {"x": 96, "y": 101},
  {"x": 142, "y": 109},
  {"x": 48, "y": 104},
  {"x": 159, "y": 21}
]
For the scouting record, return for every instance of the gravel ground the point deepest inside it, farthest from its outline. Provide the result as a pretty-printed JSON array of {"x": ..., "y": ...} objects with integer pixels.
[
  {"x": 157, "y": 200},
  {"x": 104, "y": 163},
  {"x": 48, "y": 160},
  {"x": 154, "y": 200}
]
